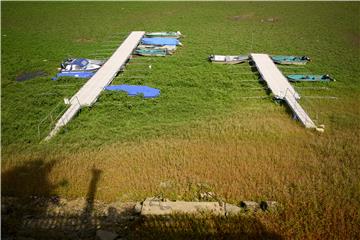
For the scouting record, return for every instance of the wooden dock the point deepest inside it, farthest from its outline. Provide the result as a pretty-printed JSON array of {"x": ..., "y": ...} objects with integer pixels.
[
  {"x": 89, "y": 93},
  {"x": 281, "y": 87}
]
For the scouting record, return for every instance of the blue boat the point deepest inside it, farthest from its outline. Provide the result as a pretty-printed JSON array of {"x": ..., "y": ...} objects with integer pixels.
[
  {"x": 309, "y": 78},
  {"x": 295, "y": 60}
]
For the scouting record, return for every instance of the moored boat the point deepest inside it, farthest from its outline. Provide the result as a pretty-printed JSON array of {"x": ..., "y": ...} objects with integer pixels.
[
  {"x": 228, "y": 59},
  {"x": 151, "y": 52},
  {"x": 287, "y": 60},
  {"x": 170, "y": 49},
  {"x": 164, "y": 34},
  {"x": 80, "y": 64},
  {"x": 309, "y": 78}
]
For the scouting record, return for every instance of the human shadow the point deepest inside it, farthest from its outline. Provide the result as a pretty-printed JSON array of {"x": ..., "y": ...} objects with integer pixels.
[
  {"x": 26, "y": 191},
  {"x": 88, "y": 226},
  {"x": 39, "y": 217}
]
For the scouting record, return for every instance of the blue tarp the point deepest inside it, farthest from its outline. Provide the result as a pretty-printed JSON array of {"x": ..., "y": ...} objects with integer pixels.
[
  {"x": 74, "y": 74},
  {"x": 160, "y": 41},
  {"x": 134, "y": 90}
]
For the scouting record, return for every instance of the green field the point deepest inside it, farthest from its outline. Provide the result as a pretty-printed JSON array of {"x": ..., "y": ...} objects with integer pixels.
[{"x": 203, "y": 130}]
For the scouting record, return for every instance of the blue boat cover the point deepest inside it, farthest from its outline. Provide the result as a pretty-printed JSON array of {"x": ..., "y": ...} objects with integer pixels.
[
  {"x": 134, "y": 90},
  {"x": 74, "y": 74},
  {"x": 160, "y": 41}
]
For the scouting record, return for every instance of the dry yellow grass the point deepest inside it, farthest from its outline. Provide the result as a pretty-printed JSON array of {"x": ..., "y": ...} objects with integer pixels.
[{"x": 315, "y": 176}]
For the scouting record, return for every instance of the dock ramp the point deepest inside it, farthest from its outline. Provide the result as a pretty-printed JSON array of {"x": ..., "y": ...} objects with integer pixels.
[
  {"x": 89, "y": 93},
  {"x": 299, "y": 111},
  {"x": 281, "y": 87}
]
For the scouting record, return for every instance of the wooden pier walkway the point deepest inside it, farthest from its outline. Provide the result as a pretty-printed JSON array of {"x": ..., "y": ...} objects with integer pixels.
[{"x": 89, "y": 93}]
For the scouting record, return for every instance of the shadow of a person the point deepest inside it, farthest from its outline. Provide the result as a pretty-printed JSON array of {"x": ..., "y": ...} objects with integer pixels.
[
  {"x": 30, "y": 185},
  {"x": 87, "y": 228}
]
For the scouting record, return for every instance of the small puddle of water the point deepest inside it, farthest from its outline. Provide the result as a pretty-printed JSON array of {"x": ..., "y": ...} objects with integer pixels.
[{"x": 30, "y": 75}]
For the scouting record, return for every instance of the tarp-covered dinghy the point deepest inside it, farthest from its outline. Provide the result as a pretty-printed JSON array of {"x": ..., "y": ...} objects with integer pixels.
[
  {"x": 309, "y": 78},
  {"x": 290, "y": 60},
  {"x": 228, "y": 59},
  {"x": 164, "y": 34}
]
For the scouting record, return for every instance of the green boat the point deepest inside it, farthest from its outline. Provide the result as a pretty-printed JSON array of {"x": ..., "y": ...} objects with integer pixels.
[
  {"x": 287, "y": 60},
  {"x": 170, "y": 49},
  {"x": 309, "y": 78},
  {"x": 164, "y": 34},
  {"x": 151, "y": 52}
]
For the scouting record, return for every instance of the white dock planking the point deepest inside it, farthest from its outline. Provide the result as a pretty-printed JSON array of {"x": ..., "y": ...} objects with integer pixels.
[
  {"x": 275, "y": 80},
  {"x": 88, "y": 94},
  {"x": 280, "y": 86},
  {"x": 299, "y": 111}
]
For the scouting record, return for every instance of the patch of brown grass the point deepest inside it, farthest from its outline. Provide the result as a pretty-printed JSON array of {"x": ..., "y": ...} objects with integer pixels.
[{"x": 315, "y": 176}]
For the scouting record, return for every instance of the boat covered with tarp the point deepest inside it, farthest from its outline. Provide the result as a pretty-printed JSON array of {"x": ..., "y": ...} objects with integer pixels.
[
  {"x": 287, "y": 60},
  {"x": 158, "y": 41},
  {"x": 309, "y": 78},
  {"x": 163, "y": 34},
  {"x": 228, "y": 59}
]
